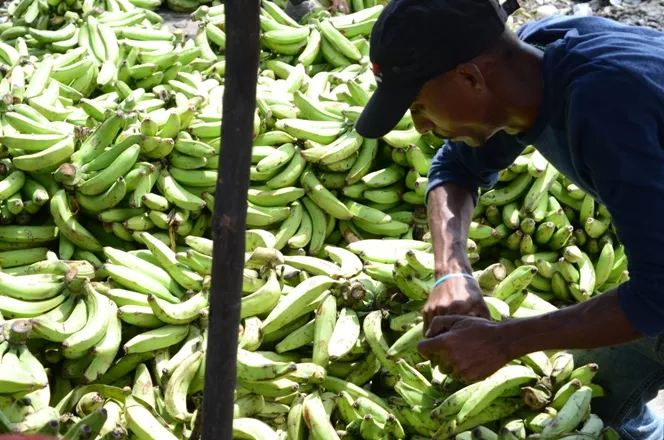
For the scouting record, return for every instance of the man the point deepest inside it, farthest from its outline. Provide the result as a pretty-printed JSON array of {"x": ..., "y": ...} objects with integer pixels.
[
  {"x": 298, "y": 9},
  {"x": 588, "y": 93}
]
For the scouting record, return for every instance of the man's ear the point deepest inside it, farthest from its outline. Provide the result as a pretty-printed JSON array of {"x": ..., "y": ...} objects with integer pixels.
[{"x": 470, "y": 77}]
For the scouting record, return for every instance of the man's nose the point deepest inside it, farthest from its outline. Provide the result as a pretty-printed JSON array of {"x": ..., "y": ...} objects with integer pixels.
[{"x": 422, "y": 123}]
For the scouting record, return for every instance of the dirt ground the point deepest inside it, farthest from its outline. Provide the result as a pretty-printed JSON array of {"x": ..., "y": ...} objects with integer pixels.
[
  {"x": 648, "y": 13},
  {"x": 177, "y": 20}
]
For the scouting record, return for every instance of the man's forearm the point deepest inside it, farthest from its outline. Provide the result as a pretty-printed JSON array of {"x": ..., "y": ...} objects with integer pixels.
[
  {"x": 598, "y": 322},
  {"x": 450, "y": 212}
]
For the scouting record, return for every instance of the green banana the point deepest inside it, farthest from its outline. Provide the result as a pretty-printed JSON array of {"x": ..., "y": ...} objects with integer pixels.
[
  {"x": 69, "y": 226},
  {"x": 246, "y": 427},
  {"x": 106, "y": 349},
  {"x": 166, "y": 257},
  {"x": 176, "y": 194},
  {"x": 571, "y": 414},
  {"x": 493, "y": 387},
  {"x": 175, "y": 397},
  {"x": 324, "y": 324},
  {"x": 46, "y": 159},
  {"x": 515, "y": 281},
  {"x": 314, "y": 265},
  {"x": 149, "y": 269},
  {"x": 509, "y": 193},
  {"x": 314, "y": 413},
  {"x": 106, "y": 178},
  {"x": 138, "y": 281},
  {"x": 324, "y": 132},
  {"x": 141, "y": 421},
  {"x": 100, "y": 312},
  {"x": 182, "y": 313},
  {"x": 324, "y": 198},
  {"x": 101, "y": 138},
  {"x": 286, "y": 309},
  {"x": 155, "y": 339},
  {"x": 55, "y": 330}
]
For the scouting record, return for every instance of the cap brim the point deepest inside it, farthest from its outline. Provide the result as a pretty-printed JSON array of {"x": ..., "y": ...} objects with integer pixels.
[{"x": 385, "y": 109}]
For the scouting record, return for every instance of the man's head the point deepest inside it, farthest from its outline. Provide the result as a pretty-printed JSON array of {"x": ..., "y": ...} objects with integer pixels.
[{"x": 446, "y": 61}]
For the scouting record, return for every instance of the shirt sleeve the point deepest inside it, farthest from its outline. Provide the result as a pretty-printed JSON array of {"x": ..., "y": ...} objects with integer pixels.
[
  {"x": 615, "y": 127},
  {"x": 473, "y": 167}
]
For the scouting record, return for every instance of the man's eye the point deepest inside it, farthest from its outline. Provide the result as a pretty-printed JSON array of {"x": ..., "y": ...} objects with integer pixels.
[
  {"x": 414, "y": 113},
  {"x": 416, "y": 108}
]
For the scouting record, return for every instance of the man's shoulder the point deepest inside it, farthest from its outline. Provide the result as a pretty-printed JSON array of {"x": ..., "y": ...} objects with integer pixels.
[
  {"x": 589, "y": 56},
  {"x": 607, "y": 96},
  {"x": 551, "y": 29}
]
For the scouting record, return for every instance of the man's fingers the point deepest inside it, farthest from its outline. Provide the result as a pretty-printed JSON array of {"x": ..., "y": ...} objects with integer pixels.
[
  {"x": 339, "y": 5},
  {"x": 456, "y": 308},
  {"x": 431, "y": 314},
  {"x": 480, "y": 311},
  {"x": 441, "y": 324},
  {"x": 430, "y": 346},
  {"x": 446, "y": 369}
]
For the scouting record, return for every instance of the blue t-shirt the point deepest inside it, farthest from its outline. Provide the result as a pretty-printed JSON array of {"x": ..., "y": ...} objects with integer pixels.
[{"x": 601, "y": 124}]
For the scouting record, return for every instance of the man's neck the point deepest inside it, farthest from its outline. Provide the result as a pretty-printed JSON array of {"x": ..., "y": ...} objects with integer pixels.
[{"x": 524, "y": 90}]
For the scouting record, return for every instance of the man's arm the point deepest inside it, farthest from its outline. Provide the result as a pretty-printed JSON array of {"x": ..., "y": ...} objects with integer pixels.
[
  {"x": 299, "y": 9},
  {"x": 571, "y": 328},
  {"x": 455, "y": 175},
  {"x": 450, "y": 213}
]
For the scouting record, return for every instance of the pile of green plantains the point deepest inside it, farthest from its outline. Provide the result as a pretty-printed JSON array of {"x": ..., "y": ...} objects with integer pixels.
[{"x": 110, "y": 140}]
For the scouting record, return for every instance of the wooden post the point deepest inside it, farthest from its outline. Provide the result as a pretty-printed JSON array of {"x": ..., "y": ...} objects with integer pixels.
[{"x": 230, "y": 212}]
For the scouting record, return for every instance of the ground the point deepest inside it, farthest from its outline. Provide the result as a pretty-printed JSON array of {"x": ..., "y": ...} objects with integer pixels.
[
  {"x": 658, "y": 404},
  {"x": 648, "y": 13},
  {"x": 177, "y": 20}
]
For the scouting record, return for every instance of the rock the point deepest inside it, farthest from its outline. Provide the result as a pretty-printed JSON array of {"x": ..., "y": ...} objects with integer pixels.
[
  {"x": 583, "y": 10},
  {"x": 545, "y": 11}
]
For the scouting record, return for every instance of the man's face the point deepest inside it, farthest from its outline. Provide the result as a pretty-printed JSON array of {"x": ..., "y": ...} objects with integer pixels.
[{"x": 455, "y": 106}]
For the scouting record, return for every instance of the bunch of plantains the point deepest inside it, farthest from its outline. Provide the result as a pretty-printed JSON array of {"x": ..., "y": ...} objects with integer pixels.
[{"x": 110, "y": 136}]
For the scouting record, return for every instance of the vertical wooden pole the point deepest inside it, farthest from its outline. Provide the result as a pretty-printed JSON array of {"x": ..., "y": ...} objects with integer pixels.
[{"x": 230, "y": 212}]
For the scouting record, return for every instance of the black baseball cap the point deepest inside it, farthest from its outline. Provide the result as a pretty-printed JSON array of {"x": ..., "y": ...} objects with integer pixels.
[{"x": 414, "y": 41}]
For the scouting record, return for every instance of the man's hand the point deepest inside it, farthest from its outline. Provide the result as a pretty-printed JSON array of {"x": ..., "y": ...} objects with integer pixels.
[
  {"x": 455, "y": 296},
  {"x": 298, "y": 10},
  {"x": 464, "y": 347},
  {"x": 339, "y": 5},
  {"x": 474, "y": 348}
]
